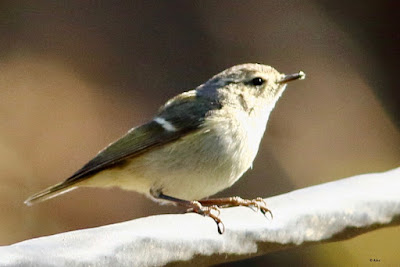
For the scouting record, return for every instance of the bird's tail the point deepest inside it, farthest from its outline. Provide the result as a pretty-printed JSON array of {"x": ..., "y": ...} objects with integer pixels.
[{"x": 51, "y": 192}]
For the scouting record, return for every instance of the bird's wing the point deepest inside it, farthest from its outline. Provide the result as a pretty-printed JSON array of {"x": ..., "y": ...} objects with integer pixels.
[{"x": 185, "y": 113}]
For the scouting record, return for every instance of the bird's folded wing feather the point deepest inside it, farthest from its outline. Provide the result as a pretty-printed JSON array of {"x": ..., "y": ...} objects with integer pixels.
[{"x": 186, "y": 113}]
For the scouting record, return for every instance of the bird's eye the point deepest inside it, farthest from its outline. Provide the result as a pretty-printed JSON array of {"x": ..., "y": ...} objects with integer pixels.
[{"x": 257, "y": 81}]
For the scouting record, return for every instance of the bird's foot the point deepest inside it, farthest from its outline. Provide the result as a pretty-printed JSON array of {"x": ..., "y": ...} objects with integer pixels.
[
  {"x": 211, "y": 211},
  {"x": 258, "y": 203}
]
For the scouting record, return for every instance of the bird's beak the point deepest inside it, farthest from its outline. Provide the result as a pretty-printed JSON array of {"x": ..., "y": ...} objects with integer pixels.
[{"x": 291, "y": 77}]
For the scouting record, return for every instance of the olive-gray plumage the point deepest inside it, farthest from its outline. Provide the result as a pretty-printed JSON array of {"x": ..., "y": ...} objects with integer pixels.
[{"x": 199, "y": 143}]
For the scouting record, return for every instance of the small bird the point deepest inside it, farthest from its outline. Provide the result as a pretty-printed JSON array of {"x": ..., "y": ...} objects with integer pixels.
[{"x": 199, "y": 143}]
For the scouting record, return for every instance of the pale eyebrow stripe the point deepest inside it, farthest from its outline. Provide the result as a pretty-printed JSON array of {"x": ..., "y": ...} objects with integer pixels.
[{"x": 165, "y": 124}]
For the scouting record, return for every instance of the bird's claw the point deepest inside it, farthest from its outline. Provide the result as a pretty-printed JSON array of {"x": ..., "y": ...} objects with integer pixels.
[
  {"x": 208, "y": 211},
  {"x": 258, "y": 203}
]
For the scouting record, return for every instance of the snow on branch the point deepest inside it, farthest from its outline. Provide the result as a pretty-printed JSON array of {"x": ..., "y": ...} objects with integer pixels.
[{"x": 328, "y": 212}]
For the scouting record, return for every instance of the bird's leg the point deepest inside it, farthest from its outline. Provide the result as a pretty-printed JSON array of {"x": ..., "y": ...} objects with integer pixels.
[
  {"x": 194, "y": 206},
  {"x": 257, "y": 203}
]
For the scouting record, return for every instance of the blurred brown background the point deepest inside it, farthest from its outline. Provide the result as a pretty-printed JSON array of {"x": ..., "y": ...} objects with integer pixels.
[{"x": 76, "y": 76}]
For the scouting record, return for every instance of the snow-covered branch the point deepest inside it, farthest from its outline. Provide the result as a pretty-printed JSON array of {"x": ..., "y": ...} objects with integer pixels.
[{"x": 328, "y": 212}]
